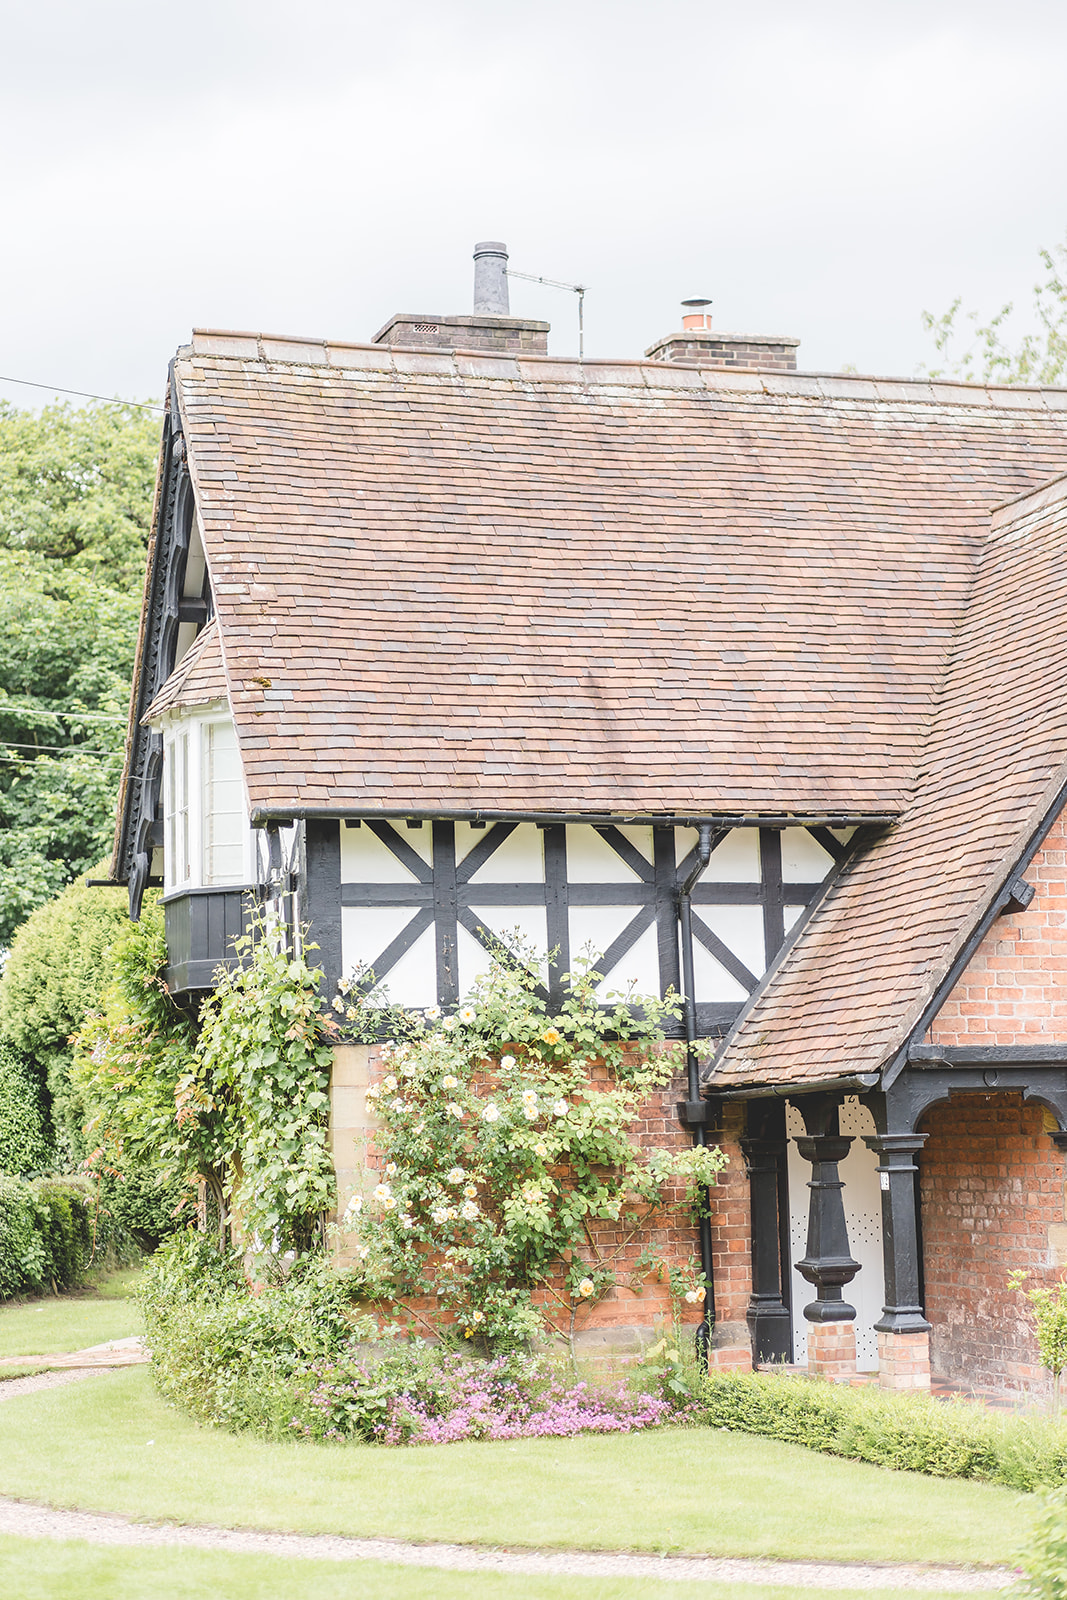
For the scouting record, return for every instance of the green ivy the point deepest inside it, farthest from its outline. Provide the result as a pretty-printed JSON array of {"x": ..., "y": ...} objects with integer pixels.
[
  {"x": 262, "y": 1067},
  {"x": 506, "y": 1141}
]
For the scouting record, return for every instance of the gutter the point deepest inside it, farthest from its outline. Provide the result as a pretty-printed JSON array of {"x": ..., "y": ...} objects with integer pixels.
[
  {"x": 858, "y": 1083},
  {"x": 705, "y": 844},
  {"x": 267, "y": 816}
]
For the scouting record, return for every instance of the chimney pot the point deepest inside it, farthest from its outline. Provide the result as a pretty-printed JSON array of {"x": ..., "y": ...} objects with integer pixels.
[{"x": 490, "y": 278}]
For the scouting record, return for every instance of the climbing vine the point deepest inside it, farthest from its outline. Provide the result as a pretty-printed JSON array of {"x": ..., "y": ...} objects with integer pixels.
[
  {"x": 241, "y": 1103},
  {"x": 510, "y": 1190}
]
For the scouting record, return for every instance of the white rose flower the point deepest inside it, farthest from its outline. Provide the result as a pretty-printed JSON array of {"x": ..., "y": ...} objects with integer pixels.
[
  {"x": 440, "y": 1215},
  {"x": 449, "y": 1024},
  {"x": 456, "y": 1175},
  {"x": 478, "y": 1316},
  {"x": 391, "y": 1169},
  {"x": 469, "y": 1211},
  {"x": 471, "y": 1191},
  {"x": 408, "y": 1221},
  {"x": 507, "y": 1062},
  {"x": 433, "y": 1013},
  {"x": 389, "y": 1203},
  {"x": 490, "y": 1113},
  {"x": 390, "y": 1083},
  {"x": 530, "y": 1112},
  {"x": 354, "y": 1207},
  {"x": 449, "y": 1082},
  {"x": 586, "y": 1287},
  {"x": 560, "y": 1108},
  {"x": 467, "y": 1015},
  {"x": 452, "y": 1110},
  {"x": 338, "y": 1003},
  {"x": 383, "y": 1193}
]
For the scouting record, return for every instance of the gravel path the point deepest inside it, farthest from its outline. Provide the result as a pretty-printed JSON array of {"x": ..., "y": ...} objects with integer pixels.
[
  {"x": 41, "y": 1522},
  {"x": 11, "y": 1387}
]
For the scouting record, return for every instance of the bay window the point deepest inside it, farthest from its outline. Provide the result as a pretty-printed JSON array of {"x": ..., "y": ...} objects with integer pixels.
[{"x": 206, "y": 832}]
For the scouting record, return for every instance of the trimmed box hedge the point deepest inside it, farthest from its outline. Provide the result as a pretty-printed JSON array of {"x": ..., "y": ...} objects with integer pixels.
[{"x": 912, "y": 1433}]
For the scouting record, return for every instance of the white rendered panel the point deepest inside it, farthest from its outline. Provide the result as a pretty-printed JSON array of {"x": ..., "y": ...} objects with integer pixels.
[
  {"x": 597, "y": 927},
  {"x": 365, "y": 933},
  {"x": 734, "y": 860},
  {"x": 863, "y": 1219},
  {"x": 741, "y": 930},
  {"x": 638, "y": 969},
  {"x": 365, "y": 859},
  {"x": 803, "y": 858},
  {"x": 520, "y": 859},
  {"x": 474, "y": 959},
  {"x": 529, "y": 923},
  {"x": 791, "y": 915},
  {"x": 590, "y": 859},
  {"x": 714, "y": 983}
]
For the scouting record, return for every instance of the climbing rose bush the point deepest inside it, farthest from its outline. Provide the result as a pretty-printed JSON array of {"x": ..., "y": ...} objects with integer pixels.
[{"x": 506, "y": 1139}]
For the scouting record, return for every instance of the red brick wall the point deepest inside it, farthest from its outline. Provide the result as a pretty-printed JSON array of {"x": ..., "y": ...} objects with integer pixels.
[
  {"x": 992, "y": 1200},
  {"x": 675, "y": 1237},
  {"x": 1014, "y": 990}
]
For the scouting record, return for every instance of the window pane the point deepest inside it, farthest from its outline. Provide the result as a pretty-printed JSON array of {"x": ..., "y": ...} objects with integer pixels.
[
  {"x": 225, "y": 823},
  {"x": 176, "y": 809}
]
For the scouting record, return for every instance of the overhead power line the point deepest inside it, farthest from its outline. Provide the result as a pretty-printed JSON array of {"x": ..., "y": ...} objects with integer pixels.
[
  {"x": 84, "y": 394},
  {"x": 66, "y": 716}
]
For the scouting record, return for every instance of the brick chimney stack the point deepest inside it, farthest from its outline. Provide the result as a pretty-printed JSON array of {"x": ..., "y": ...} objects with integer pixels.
[
  {"x": 490, "y": 328},
  {"x": 700, "y": 344}
]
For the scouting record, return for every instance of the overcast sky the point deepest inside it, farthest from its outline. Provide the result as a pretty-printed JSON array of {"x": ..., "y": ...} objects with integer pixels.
[{"x": 820, "y": 169}]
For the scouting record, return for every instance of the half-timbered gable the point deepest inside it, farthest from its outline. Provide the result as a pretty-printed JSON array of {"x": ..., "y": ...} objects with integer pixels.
[{"x": 446, "y": 649}]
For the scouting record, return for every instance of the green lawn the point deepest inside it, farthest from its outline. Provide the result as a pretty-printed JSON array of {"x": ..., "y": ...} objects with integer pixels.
[
  {"x": 59, "y": 1323},
  {"x": 110, "y": 1444},
  {"x": 36, "y": 1570}
]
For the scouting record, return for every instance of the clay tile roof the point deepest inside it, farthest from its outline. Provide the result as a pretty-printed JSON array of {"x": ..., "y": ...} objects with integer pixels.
[
  {"x": 856, "y": 983},
  {"x": 197, "y": 680},
  {"x": 453, "y": 581}
]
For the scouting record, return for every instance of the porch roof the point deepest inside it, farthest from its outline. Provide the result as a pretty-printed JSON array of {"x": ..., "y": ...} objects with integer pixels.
[{"x": 846, "y": 997}]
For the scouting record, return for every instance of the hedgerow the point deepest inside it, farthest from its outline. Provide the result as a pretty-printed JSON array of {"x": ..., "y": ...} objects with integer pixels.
[
  {"x": 51, "y": 1232},
  {"x": 911, "y": 1433}
]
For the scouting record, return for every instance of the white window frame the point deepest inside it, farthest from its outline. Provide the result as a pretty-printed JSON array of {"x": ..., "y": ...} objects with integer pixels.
[{"x": 186, "y": 822}]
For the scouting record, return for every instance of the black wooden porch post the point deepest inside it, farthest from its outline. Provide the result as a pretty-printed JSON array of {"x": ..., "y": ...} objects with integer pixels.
[
  {"x": 764, "y": 1148},
  {"x": 903, "y": 1311},
  {"x": 827, "y": 1263}
]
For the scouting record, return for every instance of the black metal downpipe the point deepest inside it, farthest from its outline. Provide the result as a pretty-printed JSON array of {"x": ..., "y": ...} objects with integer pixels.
[{"x": 705, "y": 842}]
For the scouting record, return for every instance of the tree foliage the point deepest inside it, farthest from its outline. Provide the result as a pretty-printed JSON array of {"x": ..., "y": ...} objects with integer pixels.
[
  {"x": 66, "y": 657},
  {"x": 983, "y": 352},
  {"x": 76, "y": 486}
]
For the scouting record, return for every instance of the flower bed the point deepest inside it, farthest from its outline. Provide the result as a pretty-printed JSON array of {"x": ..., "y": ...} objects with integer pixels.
[{"x": 422, "y": 1395}]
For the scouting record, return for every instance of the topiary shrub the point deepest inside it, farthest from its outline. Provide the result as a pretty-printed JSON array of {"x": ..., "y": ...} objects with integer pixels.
[
  {"x": 56, "y": 970},
  {"x": 25, "y": 1147}
]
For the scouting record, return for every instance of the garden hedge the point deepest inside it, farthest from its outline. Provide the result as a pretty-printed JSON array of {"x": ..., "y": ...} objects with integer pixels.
[
  {"x": 912, "y": 1433},
  {"x": 48, "y": 1228}
]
